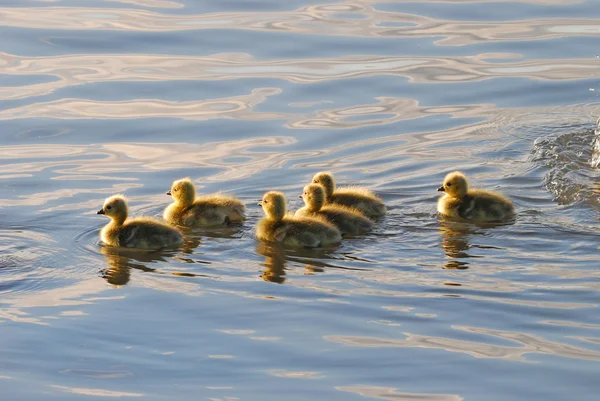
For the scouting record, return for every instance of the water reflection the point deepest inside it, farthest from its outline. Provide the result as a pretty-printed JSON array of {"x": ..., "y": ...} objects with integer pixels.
[
  {"x": 455, "y": 243},
  {"x": 237, "y": 107},
  {"x": 97, "y": 392},
  {"x": 526, "y": 344},
  {"x": 122, "y": 261},
  {"x": 151, "y": 3},
  {"x": 391, "y": 394},
  {"x": 277, "y": 258},
  {"x": 319, "y": 19},
  {"x": 274, "y": 263},
  {"x": 387, "y": 110},
  {"x": 71, "y": 70},
  {"x": 93, "y": 162},
  {"x": 544, "y": 2},
  {"x": 194, "y": 234}
]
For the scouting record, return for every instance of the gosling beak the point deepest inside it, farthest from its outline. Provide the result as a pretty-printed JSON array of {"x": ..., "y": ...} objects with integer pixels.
[
  {"x": 168, "y": 193},
  {"x": 101, "y": 211},
  {"x": 300, "y": 196},
  {"x": 259, "y": 203},
  {"x": 441, "y": 189}
]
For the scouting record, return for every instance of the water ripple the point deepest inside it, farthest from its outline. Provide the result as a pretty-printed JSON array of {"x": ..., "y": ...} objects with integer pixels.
[
  {"x": 391, "y": 394},
  {"x": 152, "y": 3},
  {"x": 82, "y": 69},
  {"x": 96, "y": 162},
  {"x": 528, "y": 344},
  {"x": 322, "y": 19},
  {"x": 238, "y": 107}
]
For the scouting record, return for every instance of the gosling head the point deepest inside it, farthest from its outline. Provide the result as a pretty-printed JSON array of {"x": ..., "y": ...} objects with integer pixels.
[
  {"x": 183, "y": 191},
  {"x": 115, "y": 207},
  {"x": 313, "y": 196},
  {"x": 326, "y": 180},
  {"x": 274, "y": 205},
  {"x": 455, "y": 184}
]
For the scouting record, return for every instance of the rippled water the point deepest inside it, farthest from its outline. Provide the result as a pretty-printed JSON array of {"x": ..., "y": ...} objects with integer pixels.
[{"x": 124, "y": 96}]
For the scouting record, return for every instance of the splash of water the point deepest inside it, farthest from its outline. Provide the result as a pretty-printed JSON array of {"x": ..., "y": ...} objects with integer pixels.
[
  {"x": 573, "y": 158},
  {"x": 596, "y": 147}
]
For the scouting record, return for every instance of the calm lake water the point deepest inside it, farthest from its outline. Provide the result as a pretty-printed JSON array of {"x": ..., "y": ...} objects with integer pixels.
[{"x": 124, "y": 96}]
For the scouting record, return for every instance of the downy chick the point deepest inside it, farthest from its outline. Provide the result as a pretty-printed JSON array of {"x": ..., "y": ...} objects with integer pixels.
[
  {"x": 471, "y": 204},
  {"x": 139, "y": 232},
  {"x": 347, "y": 220},
  {"x": 277, "y": 226},
  {"x": 357, "y": 197},
  {"x": 203, "y": 211}
]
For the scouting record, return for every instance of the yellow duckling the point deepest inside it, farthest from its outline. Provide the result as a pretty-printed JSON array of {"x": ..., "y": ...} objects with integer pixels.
[
  {"x": 347, "y": 220},
  {"x": 139, "y": 232},
  {"x": 474, "y": 204},
  {"x": 276, "y": 226},
  {"x": 203, "y": 211},
  {"x": 357, "y": 197}
]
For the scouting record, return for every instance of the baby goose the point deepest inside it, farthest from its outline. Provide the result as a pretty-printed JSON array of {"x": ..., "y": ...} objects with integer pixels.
[
  {"x": 357, "y": 197},
  {"x": 276, "y": 226},
  {"x": 347, "y": 220},
  {"x": 139, "y": 232},
  {"x": 474, "y": 204},
  {"x": 208, "y": 210}
]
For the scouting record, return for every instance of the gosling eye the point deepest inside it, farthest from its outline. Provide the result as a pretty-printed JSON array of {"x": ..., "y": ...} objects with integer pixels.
[
  {"x": 108, "y": 207},
  {"x": 449, "y": 184},
  {"x": 175, "y": 189},
  {"x": 265, "y": 201},
  {"x": 315, "y": 181}
]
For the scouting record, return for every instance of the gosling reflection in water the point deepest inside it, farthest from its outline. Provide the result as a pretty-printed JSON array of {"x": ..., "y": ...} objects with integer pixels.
[
  {"x": 456, "y": 265},
  {"x": 456, "y": 241},
  {"x": 121, "y": 261},
  {"x": 274, "y": 262},
  {"x": 277, "y": 258}
]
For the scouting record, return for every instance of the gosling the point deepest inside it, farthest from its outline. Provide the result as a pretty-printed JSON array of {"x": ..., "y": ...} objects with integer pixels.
[
  {"x": 471, "y": 204},
  {"x": 203, "y": 211},
  {"x": 276, "y": 226},
  {"x": 139, "y": 232},
  {"x": 349, "y": 221},
  {"x": 357, "y": 197}
]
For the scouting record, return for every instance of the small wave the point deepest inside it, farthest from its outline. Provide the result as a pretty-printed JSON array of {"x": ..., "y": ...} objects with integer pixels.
[
  {"x": 22, "y": 254},
  {"x": 596, "y": 147},
  {"x": 571, "y": 158}
]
